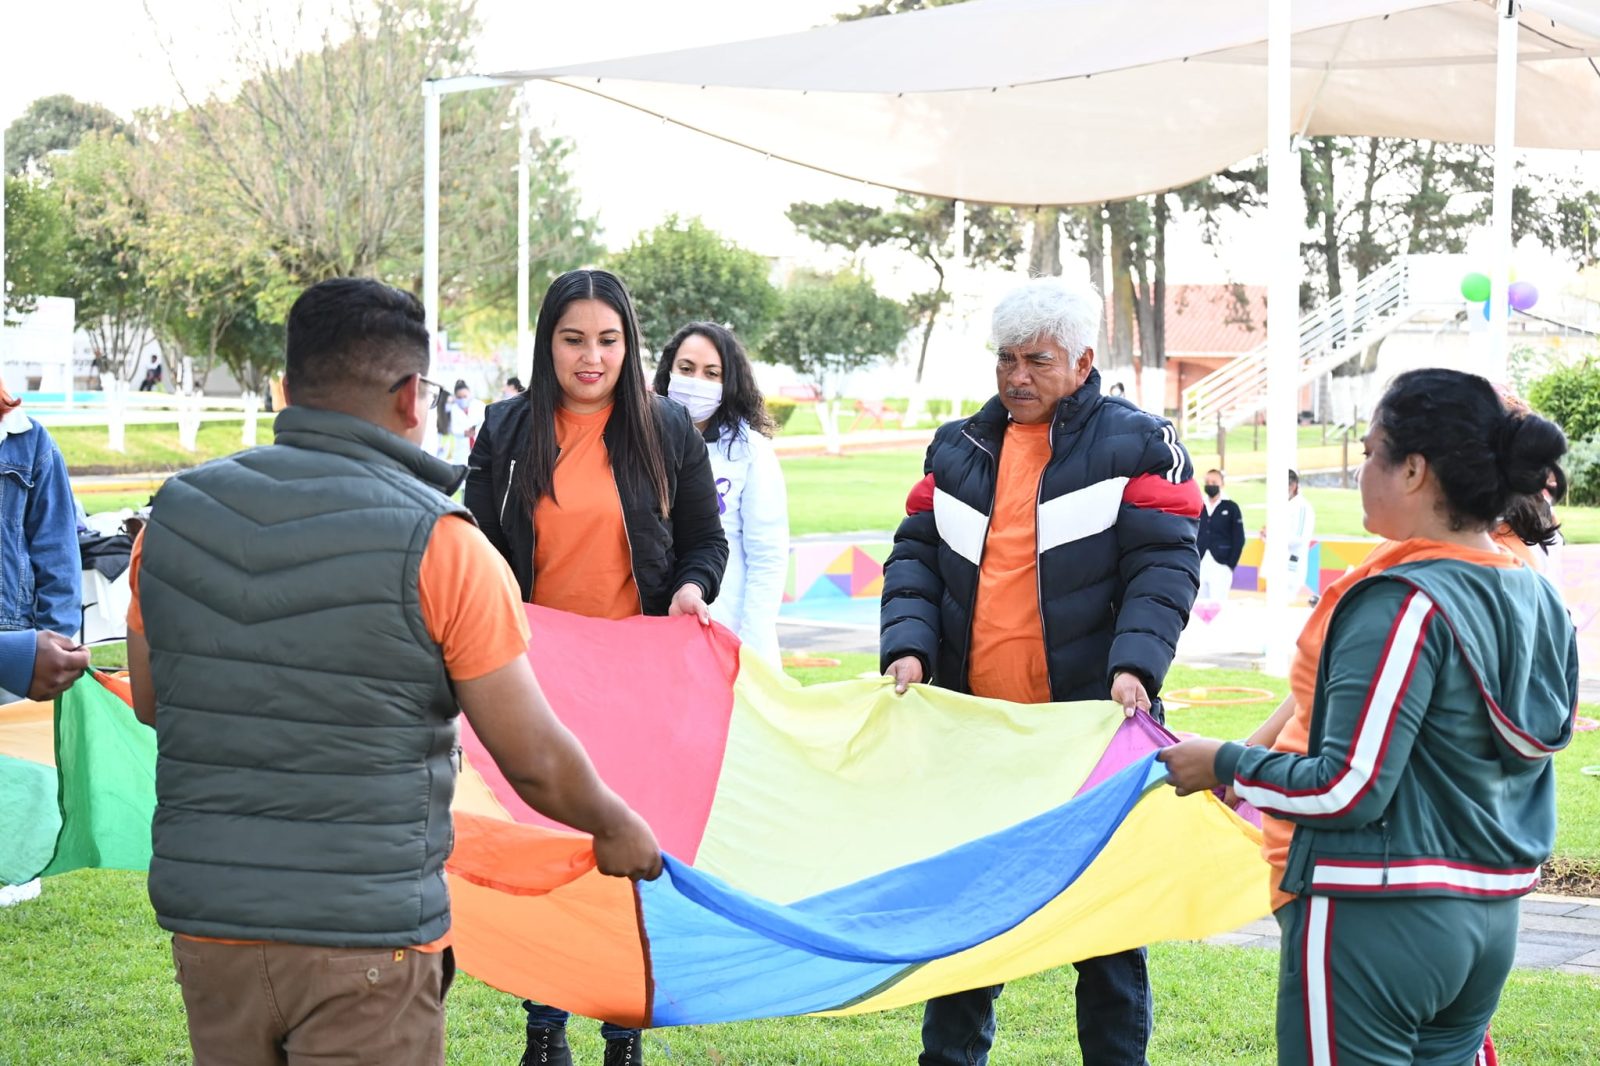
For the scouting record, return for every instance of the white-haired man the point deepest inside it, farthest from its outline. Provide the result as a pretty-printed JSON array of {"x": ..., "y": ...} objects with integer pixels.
[{"x": 1048, "y": 555}]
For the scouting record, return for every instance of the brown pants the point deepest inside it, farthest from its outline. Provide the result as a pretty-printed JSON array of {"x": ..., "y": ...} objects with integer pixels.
[{"x": 291, "y": 1005}]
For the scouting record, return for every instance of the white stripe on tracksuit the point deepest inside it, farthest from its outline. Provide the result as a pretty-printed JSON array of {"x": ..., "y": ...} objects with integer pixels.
[
  {"x": 1316, "y": 967},
  {"x": 1366, "y": 752}
]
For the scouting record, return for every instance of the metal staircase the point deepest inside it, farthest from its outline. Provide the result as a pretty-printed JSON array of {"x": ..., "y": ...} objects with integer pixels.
[{"x": 1330, "y": 334}]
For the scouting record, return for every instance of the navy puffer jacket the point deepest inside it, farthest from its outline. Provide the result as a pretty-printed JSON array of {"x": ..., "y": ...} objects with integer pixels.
[{"x": 1118, "y": 569}]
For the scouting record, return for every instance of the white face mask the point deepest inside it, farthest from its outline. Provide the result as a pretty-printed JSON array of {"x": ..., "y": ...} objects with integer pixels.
[{"x": 700, "y": 396}]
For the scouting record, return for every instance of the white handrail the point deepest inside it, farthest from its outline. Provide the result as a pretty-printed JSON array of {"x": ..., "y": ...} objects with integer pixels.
[{"x": 1328, "y": 333}]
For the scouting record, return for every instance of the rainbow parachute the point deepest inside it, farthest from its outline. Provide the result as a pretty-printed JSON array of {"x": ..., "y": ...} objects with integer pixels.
[{"x": 832, "y": 849}]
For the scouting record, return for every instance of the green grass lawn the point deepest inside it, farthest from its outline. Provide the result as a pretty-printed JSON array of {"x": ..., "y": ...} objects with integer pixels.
[
  {"x": 1338, "y": 511},
  {"x": 804, "y": 421},
  {"x": 827, "y": 494},
  {"x": 850, "y": 493},
  {"x": 1247, "y": 450},
  {"x": 89, "y": 979},
  {"x": 867, "y": 491},
  {"x": 100, "y": 502},
  {"x": 151, "y": 447},
  {"x": 1578, "y": 796}
]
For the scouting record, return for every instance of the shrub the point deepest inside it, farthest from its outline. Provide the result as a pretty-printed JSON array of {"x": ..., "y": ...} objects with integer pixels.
[
  {"x": 1570, "y": 396},
  {"x": 1582, "y": 463},
  {"x": 781, "y": 408}
]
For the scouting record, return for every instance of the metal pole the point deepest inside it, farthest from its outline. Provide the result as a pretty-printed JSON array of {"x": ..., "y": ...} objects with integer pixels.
[
  {"x": 524, "y": 165},
  {"x": 1283, "y": 297},
  {"x": 1505, "y": 138},
  {"x": 430, "y": 208},
  {"x": 960, "y": 304}
]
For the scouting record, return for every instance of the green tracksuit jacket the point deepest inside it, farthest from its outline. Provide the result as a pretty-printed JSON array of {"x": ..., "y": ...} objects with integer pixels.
[{"x": 1443, "y": 690}]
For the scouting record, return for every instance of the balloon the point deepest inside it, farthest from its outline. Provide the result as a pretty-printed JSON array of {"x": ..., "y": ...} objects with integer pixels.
[
  {"x": 1522, "y": 294},
  {"x": 1475, "y": 287},
  {"x": 1486, "y": 310}
]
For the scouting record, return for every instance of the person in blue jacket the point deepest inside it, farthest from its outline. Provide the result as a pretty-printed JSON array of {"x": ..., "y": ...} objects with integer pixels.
[
  {"x": 41, "y": 665},
  {"x": 41, "y": 580},
  {"x": 1426, "y": 800}
]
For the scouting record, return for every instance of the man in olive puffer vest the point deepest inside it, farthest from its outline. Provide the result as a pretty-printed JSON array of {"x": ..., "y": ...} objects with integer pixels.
[{"x": 308, "y": 617}]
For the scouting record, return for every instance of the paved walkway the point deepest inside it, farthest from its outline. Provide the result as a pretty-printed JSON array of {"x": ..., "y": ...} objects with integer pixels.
[{"x": 1557, "y": 933}]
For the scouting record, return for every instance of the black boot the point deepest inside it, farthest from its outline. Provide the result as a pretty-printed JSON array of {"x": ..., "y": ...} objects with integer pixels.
[
  {"x": 547, "y": 1047},
  {"x": 624, "y": 1051}
]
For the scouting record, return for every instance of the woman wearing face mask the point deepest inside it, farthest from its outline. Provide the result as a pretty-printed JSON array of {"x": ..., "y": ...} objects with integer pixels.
[
  {"x": 705, "y": 368},
  {"x": 600, "y": 496}
]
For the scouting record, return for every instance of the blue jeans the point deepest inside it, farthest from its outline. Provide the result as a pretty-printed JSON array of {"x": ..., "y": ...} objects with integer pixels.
[
  {"x": 1114, "y": 1017},
  {"x": 543, "y": 1017}
]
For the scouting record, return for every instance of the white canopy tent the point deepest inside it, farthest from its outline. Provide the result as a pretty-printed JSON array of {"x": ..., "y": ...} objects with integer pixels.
[{"x": 1075, "y": 101}]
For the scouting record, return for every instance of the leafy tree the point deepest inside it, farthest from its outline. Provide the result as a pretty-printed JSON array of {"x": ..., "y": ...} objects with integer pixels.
[
  {"x": 1371, "y": 199},
  {"x": 252, "y": 349},
  {"x": 892, "y": 7},
  {"x": 113, "y": 302},
  {"x": 923, "y": 226},
  {"x": 683, "y": 271},
  {"x": 1562, "y": 215},
  {"x": 65, "y": 237},
  {"x": 38, "y": 230},
  {"x": 1044, "y": 244},
  {"x": 1570, "y": 397},
  {"x": 1582, "y": 464},
  {"x": 1134, "y": 233},
  {"x": 483, "y": 302},
  {"x": 312, "y": 166},
  {"x": 827, "y": 326},
  {"x": 53, "y": 124}
]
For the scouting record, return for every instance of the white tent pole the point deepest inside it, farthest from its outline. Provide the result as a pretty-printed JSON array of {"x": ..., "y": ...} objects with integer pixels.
[
  {"x": 430, "y": 208},
  {"x": 960, "y": 306},
  {"x": 1283, "y": 300},
  {"x": 524, "y": 165},
  {"x": 1505, "y": 150}
]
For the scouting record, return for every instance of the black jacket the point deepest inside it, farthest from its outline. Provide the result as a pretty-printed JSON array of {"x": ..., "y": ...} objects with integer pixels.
[
  {"x": 667, "y": 552},
  {"x": 1222, "y": 533},
  {"x": 1115, "y": 528}
]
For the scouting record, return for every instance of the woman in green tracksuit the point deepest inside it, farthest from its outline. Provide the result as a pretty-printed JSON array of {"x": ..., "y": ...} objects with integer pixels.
[{"x": 1427, "y": 801}]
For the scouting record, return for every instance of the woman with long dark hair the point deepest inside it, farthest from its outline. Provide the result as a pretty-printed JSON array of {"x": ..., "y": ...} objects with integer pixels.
[
  {"x": 1423, "y": 800},
  {"x": 705, "y": 368},
  {"x": 599, "y": 494}
]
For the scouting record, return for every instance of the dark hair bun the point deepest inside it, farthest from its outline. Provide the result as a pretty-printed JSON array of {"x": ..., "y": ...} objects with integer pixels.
[
  {"x": 1492, "y": 466},
  {"x": 1528, "y": 449}
]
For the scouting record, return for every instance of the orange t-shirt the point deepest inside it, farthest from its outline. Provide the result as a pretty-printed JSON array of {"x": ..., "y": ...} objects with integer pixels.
[
  {"x": 1295, "y": 736},
  {"x": 1008, "y": 658},
  {"x": 581, "y": 559},
  {"x": 470, "y": 603}
]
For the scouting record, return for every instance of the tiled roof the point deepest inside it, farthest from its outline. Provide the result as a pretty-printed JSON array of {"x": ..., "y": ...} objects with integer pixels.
[{"x": 1212, "y": 319}]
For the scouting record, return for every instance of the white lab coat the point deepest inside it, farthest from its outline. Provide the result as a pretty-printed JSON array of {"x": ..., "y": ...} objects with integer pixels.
[
  {"x": 1302, "y": 529},
  {"x": 755, "y": 518}
]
